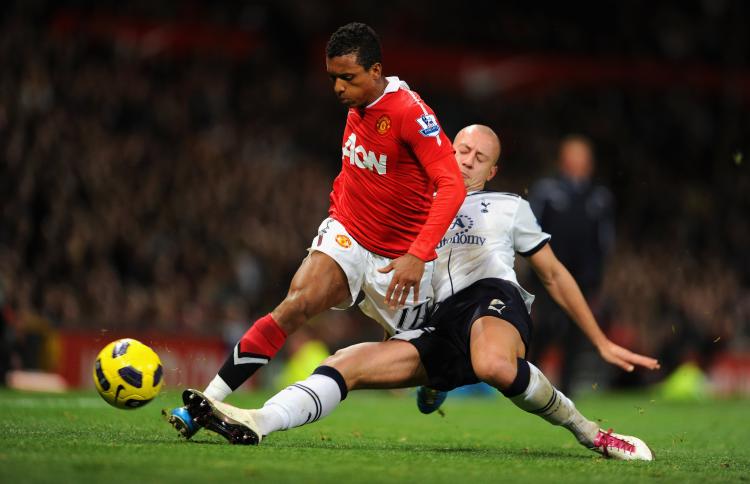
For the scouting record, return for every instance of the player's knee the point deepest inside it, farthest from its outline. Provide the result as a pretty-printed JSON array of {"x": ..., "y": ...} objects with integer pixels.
[
  {"x": 499, "y": 372},
  {"x": 342, "y": 361},
  {"x": 336, "y": 359},
  {"x": 293, "y": 311}
]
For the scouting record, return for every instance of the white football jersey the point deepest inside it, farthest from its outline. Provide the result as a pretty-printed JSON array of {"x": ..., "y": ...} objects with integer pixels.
[{"x": 488, "y": 231}]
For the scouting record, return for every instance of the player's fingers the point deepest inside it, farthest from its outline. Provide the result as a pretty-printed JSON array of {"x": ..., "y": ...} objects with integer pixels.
[
  {"x": 386, "y": 269},
  {"x": 389, "y": 292},
  {"x": 404, "y": 295},
  {"x": 416, "y": 292},
  {"x": 395, "y": 296},
  {"x": 634, "y": 358},
  {"x": 644, "y": 361},
  {"x": 622, "y": 363}
]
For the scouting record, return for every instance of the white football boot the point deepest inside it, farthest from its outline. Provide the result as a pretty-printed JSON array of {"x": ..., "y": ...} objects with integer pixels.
[
  {"x": 621, "y": 447},
  {"x": 237, "y": 425}
]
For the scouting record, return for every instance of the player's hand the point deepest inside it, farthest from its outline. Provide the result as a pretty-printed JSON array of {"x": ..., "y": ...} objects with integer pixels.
[
  {"x": 407, "y": 274},
  {"x": 624, "y": 358}
]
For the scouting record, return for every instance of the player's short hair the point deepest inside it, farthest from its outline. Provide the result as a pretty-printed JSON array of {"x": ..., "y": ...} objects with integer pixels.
[{"x": 355, "y": 38}]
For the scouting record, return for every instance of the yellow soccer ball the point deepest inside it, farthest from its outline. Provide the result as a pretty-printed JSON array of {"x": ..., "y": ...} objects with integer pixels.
[{"x": 128, "y": 374}]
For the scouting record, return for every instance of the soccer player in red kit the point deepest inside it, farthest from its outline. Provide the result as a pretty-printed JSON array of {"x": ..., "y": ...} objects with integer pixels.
[{"x": 398, "y": 190}]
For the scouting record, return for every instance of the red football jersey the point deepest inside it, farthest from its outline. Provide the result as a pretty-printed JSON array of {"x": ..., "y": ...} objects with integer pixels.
[{"x": 394, "y": 157}]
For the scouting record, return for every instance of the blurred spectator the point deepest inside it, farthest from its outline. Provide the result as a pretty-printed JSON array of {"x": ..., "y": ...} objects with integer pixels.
[{"x": 579, "y": 215}]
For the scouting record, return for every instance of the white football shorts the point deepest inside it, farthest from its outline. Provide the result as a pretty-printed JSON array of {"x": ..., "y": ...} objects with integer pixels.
[{"x": 361, "y": 269}]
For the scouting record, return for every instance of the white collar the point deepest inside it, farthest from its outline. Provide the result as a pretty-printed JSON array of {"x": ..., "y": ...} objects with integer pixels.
[{"x": 394, "y": 84}]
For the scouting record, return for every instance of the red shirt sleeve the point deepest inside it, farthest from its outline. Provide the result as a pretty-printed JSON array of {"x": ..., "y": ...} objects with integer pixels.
[{"x": 424, "y": 135}]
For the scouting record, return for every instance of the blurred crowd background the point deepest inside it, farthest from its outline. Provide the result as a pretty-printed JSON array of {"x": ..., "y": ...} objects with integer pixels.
[{"x": 164, "y": 165}]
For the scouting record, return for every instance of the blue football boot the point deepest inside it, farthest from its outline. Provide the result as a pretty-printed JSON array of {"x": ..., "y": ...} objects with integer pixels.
[
  {"x": 180, "y": 419},
  {"x": 429, "y": 399}
]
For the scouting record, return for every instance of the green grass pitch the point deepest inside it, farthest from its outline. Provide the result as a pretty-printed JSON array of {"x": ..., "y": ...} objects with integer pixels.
[{"x": 371, "y": 437}]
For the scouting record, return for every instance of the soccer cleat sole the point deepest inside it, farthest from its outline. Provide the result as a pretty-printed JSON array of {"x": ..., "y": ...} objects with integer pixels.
[
  {"x": 179, "y": 424},
  {"x": 207, "y": 416}
]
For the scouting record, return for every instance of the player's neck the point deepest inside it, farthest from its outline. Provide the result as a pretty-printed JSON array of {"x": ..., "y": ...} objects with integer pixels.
[{"x": 380, "y": 86}]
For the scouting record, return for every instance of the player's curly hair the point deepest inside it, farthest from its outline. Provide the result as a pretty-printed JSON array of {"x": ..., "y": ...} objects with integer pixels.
[{"x": 355, "y": 38}]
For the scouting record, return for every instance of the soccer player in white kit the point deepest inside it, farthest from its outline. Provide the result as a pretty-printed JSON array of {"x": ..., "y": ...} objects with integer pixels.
[{"x": 479, "y": 331}]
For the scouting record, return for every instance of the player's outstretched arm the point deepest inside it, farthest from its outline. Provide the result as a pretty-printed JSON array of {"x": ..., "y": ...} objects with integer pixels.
[
  {"x": 408, "y": 269},
  {"x": 566, "y": 293}
]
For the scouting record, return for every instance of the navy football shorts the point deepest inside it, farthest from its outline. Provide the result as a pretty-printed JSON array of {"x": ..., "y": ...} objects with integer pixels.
[{"x": 444, "y": 346}]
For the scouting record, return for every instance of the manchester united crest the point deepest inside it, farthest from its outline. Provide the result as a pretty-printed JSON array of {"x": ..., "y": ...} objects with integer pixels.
[
  {"x": 383, "y": 124},
  {"x": 343, "y": 241}
]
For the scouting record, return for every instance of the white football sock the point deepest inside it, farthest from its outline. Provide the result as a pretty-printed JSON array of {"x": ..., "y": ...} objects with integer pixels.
[
  {"x": 299, "y": 404},
  {"x": 217, "y": 389},
  {"x": 541, "y": 398}
]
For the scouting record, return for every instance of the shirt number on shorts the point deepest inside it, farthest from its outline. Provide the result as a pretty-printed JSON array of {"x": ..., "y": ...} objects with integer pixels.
[{"x": 412, "y": 317}]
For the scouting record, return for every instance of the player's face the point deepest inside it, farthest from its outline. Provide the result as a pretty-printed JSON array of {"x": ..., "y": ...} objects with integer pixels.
[
  {"x": 353, "y": 84},
  {"x": 476, "y": 153}
]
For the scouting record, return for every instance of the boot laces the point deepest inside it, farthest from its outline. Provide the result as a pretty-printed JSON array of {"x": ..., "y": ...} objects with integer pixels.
[{"x": 606, "y": 441}]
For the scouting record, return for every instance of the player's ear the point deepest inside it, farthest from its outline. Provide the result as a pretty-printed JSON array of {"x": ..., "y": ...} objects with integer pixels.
[
  {"x": 376, "y": 71},
  {"x": 493, "y": 172}
]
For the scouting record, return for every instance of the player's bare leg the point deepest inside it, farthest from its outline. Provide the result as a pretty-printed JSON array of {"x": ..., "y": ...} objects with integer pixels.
[
  {"x": 493, "y": 361},
  {"x": 497, "y": 352},
  {"x": 495, "y": 347},
  {"x": 390, "y": 364},
  {"x": 319, "y": 284}
]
